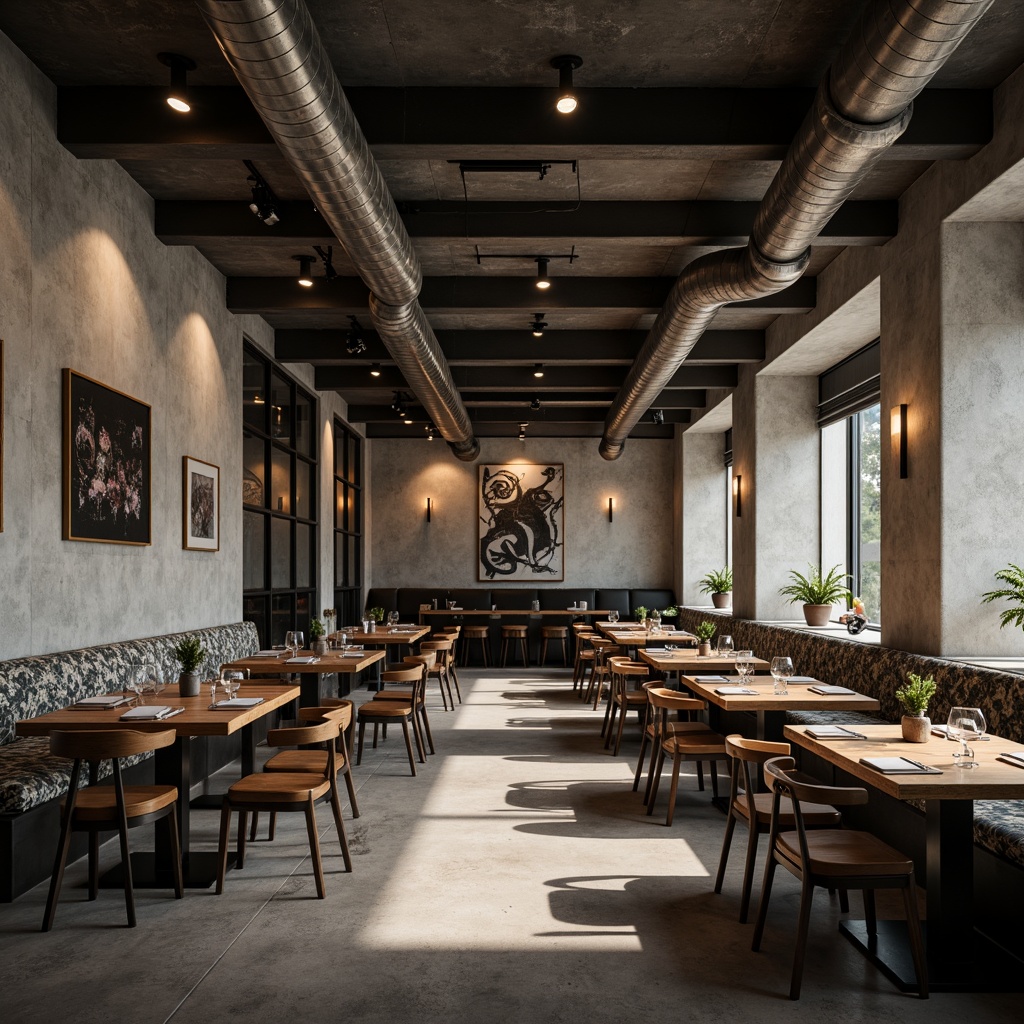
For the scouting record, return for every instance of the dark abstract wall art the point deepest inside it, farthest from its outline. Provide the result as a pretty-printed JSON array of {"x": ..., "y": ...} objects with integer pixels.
[
  {"x": 200, "y": 511},
  {"x": 521, "y": 523},
  {"x": 107, "y": 464}
]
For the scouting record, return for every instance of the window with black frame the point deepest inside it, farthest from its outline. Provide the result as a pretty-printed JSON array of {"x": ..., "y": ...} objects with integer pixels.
[
  {"x": 348, "y": 523},
  {"x": 279, "y": 500}
]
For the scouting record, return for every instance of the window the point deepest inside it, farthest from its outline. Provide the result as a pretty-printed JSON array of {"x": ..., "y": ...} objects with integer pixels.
[
  {"x": 865, "y": 556},
  {"x": 729, "y": 508},
  {"x": 348, "y": 523},
  {"x": 279, "y": 503}
]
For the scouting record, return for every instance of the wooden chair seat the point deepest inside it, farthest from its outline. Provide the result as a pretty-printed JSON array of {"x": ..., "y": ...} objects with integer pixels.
[
  {"x": 99, "y": 803},
  {"x": 279, "y": 787},
  {"x": 844, "y": 852},
  {"x": 815, "y": 815},
  {"x": 383, "y": 707},
  {"x": 380, "y": 712}
]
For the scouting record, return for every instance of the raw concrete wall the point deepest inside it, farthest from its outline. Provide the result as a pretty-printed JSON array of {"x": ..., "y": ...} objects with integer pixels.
[
  {"x": 633, "y": 551},
  {"x": 704, "y": 510}
]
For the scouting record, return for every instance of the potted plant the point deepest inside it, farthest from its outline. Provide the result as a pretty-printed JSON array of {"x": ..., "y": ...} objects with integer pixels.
[
  {"x": 671, "y": 612},
  {"x": 316, "y": 637},
  {"x": 817, "y": 593},
  {"x": 190, "y": 653},
  {"x": 705, "y": 631},
  {"x": 374, "y": 615},
  {"x": 915, "y": 696},
  {"x": 719, "y": 586},
  {"x": 640, "y": 614},
  {"x": 1012, "y": 575}
]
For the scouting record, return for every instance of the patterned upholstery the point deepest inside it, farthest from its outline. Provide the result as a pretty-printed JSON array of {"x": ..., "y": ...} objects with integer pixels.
[
  {"x": 29, "y": 775},
  {"x": 879, "y": 672}
]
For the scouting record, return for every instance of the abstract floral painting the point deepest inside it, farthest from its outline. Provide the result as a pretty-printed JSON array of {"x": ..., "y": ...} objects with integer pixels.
[
  {"x": 200, "y": 505},
  {"x": 107, "y": 463},
  {"x": 521, "y": 524}
]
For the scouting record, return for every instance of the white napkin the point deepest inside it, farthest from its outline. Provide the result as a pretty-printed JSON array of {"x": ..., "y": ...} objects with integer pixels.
[
  {"x": 304, "y": 660},
  {"x": 734, "y": 690},
  {"x": 236, "y": 703},
  {"x": 267, "y": 654},
  {"x": 149, "y": 712}
]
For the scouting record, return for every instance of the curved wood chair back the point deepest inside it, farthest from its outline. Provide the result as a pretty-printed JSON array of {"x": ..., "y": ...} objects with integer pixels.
[
  {"x": 304, "y": 735},
  {"x": 778, "y": 778},
  {"x": 403, "y": 675},
  {"x": 341, "y": 712},
  {"x": 444, "y": 644},
  {"x": 427, "y": 659},
  {"x": 102, "y": 744},
  {"x": 670, "y": 700}
]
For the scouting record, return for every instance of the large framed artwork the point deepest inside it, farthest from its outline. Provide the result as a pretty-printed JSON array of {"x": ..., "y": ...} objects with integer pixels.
[
  {"x": 200, "y": 505},
  {"x": 107, "y": 464},
  {"x": 1, "y": 435},
  {"x": 521, "y": 523}
]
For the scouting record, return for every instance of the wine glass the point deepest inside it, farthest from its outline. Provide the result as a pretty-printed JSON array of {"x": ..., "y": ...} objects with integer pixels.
[
  {"x": 725, "y": 647},
  {"x": 231, "y": 680},
  {"x": 151, "y": 681},
  {"x": 136, "y": 681},
  {"x": 782, "y": 669},
  {"x": 744, "y": 666},
  {"x": 613, "y": 616},
  {"x": 393, "y": 618},
  {"x": 965, "y": 724}
]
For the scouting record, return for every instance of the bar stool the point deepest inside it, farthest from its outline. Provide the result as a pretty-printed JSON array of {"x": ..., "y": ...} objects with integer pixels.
[
  {"x": 481, "y": 633},
  {"x": 510, "y": 636},
  {"x": 558, "y": 633}
]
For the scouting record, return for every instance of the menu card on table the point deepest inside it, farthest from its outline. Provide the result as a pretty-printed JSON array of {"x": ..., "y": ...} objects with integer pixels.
[
  {"x": 236, "y": 703},
  {"x": 899, "y": 766},
  {"x": 103, "y": 702},
  {"x": 150, "y": 713}
]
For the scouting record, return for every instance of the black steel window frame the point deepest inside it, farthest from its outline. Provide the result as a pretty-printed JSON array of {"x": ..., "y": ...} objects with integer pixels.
[{"x": 348, "y": 522}]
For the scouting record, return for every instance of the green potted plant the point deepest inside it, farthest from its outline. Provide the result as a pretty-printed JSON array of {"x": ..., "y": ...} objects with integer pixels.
[
  {"x": 705, "y": 631},
  {"x": 915, "y": 696},
  {"x": 374, "y": 615},
  {"x": 316, "y": 637},
  {"x": 190, "y": 653},
  {"x": 671, "y": 612},
  {"x": 640, "y": 614},
  {"x": 719, "y": 586},
  {"x": 1013, "y": 576},
  {"x": 817, "y": 593}
]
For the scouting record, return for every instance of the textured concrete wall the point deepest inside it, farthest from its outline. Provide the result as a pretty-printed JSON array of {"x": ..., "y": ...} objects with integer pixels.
[
  {"x": 633, "y": 551},
  {"x": 704, "y": 512}
]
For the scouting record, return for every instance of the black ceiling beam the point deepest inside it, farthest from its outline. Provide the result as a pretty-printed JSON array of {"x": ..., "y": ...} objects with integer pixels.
[
  {"x": 536, "y": 429},
  {"x": 349, "y": 296},
  {"x": 863, "y": 222},
  {"x": 679, "y": 398},
  {"x": 134, "y": 123},
  {"x": 612, "y": 348},
  {"x": 502, "y": 414}
]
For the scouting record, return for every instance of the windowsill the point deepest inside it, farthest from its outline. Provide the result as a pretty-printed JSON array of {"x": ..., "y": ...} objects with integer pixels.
[
  {"x": 869, "y": 636},
  {"x": 1015, "y": 665}
]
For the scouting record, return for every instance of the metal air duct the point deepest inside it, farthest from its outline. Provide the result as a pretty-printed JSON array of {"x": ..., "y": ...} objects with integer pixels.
[
  {"x": 863, "y": 105},
  {"x": 275, "y": 51}
]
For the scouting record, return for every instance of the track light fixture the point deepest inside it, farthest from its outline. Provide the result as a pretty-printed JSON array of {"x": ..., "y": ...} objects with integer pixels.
[
  {"x": 538, "y": 369},
  {"x": 538, "y": 325},
  {"x": 535, "y": 405},
  {"x": 375, "y": 370},
  {"x": 566, "y": 64},
  {"x": 329, "y": 272},
  {"x": 177, "y": 94},
  {"x": 264, "y": 203},
  {"x": 430, "y": 433},
  {"x": 398, "y": 405},
  {"x": 305, "y": 275},
  {"x": 355, "y": 343},
  {"x": 543, "y": 281},
  {"x": 658, "y": 416},
  {"x": 522, "y": 431}
]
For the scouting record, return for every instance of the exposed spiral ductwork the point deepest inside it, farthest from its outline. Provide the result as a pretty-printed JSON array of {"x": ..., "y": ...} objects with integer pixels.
[
  {"x": 276, "y": 53},
  {"x": 863, "y": 106}
]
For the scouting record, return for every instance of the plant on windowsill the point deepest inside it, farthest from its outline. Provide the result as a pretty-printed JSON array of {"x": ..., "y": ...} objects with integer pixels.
[
  {"x": 817, "y": 593},
  {"x": 704, "y": 631},
  {"x": 189, "y": 653},
  {"x": 1013, "y": 576},
  {"x": 316, "y": 637},
  {"x": 915, "y": 696},
  {"x": 719, "y": 586}
]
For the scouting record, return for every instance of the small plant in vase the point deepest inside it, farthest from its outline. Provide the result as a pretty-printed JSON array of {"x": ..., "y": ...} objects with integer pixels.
[
  {"x": 915, "y": 695},
  {"x": 719, "y": 586},
  {"x": 817, "y": 593},
  {"x": 189, "y": 653},
  {"x": 640, "y": 614},
  {"x": 316, "y": 637},
  {"x": 705, "y": 631}
]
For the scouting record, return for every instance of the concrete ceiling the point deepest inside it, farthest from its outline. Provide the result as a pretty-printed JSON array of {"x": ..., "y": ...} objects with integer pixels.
[{"x": 686, "y": 111}]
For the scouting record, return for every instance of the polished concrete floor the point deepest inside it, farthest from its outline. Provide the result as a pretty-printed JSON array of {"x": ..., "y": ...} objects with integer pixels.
[{"x": 515, "y": 879}]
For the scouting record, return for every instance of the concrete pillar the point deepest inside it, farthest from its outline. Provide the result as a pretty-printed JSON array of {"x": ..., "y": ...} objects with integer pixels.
[
  {"x": 953, "y": 351},
  {"x": 704, "y": 508},
  {"x": 776, "y": 447}
]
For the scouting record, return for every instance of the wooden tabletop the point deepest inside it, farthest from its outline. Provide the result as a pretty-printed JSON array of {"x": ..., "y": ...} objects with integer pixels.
[
  {"x": 687, "y": 660},
  {"x": 197, "y": 719},
  {"x": 638, "y": 635},
  {"x": 992, "y": 781},
  {"x": 330, "y": 662},
  {"x": 799, "y": 698},
  {"x": 497, "y": 612},
  {"x": 384, "y": 635}
]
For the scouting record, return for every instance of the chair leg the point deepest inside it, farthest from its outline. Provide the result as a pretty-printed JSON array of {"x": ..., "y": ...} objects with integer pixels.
[
  {"x": 762, "y": 906},
  {"x": 714, "y": 780},
  {"x": 700, "y": 776},
  {"x": 60, "y": 861},
  {"x": 622, "y": 726},
  {"x": 94, "y": 865},
  {"x": 408, "y": 745},
  {"x": 339, "y": 824},
  {"x": 359, "y": 754},
  {"x": 243, "y": 816},
  {"x": 914, "y": 932},
  {"x": 222, "y": 849},
  {"x": 644, "y": 740},
  {"x": 314, "y": 847},
  {"x": 723, "y": 860},
  {"x": 455, "y": 679},
  {"x": 126, "y": 857},
  {"x": 870, "y": 915},
  {"x": 425, "y": 727},
  {"x": 253, "y": 828},
  {"x": 806, "y": 898},
  {"x": 175, "y": 844},
  {"x": 676, "y": 764},
  {"x": 273, "y": 826},
  {"x": 748, "y": 872},
  {"x": 653, "y": 774},
  {"x": 418, "y": 735},
  {"x": 351, "y": 786}
]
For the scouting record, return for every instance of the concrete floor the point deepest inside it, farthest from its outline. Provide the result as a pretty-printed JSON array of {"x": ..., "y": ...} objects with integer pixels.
[{"x": 516, "y": 879}]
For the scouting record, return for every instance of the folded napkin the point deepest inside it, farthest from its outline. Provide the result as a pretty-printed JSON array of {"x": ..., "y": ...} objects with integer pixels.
[
  {"x": 354, "y": 654},
  {"x": 235, "y": 703},
  {"x": 1016, "y": 758},
  {"x": 899, "y": 766},
  {"x": 267, "y": 654},
  {"x": 733, "y": 690},
  {"x": 150, "y": 712},
  {"x": 830, "y": 690},
  {"x": 106, "y": 700},
  {"x": 943, "y": 730},
  {"x": 834, "y": 732},
  {"x": 304, "y": 660},
  {"x": 710, "y": 679},
  {"x": 802, "y": 679},
  {"x": 407, "y": 625}
]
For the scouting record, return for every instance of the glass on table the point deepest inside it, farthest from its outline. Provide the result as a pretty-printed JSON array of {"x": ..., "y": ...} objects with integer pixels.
[
  {"x": 613, "y": 616},
  {"x": 231, "y": 680},
  {"x": 744, "y": 665},
  {"x": 782, "y": 671},
  {"x": 135, "y": 683},
  {"x": 725, "y": 646},
  {"x": 963, "y": 725}
]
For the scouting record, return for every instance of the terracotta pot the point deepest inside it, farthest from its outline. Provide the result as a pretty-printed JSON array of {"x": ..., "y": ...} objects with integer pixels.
[
  {"x": 722, "y": 600},
  {"x": 704, "y": 650},
  {"x": 916, "y": 728},
  {"x": 817, "y": 614}
]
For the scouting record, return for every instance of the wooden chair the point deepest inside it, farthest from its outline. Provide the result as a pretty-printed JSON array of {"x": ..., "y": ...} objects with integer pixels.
[
  {"x": 316, "y": 760},
  {"x": 110, "y": 808},
  {"x": 379, "y": 713},
  {"x": 652, "y": 737},
  {"x": 511, "y": 636},
  {"x": 584, "y": 656},
  {"x": 754, "y": 809},
  {"x": 556, "y": 634},
  {"x": 832, "y": 858},
  {"x": 440, "y": 670},
  {"x": 481, "y": 634},
  {"x": 696, "y": 746},
  {"x": 416, "y": 695},
  {"x": 603, "y": 650},
  {"x": 624, "y": 698},
  {"x": 288, "y": 791},
  {"x": 451, "y": 633}
]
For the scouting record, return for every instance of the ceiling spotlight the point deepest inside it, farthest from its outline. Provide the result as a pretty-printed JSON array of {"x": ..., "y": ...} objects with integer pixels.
[
  {"x": 375, "y": 370},
  {"x": 305, "y": 276},
  {"x": 355, "y": 343},
  {"x": 430, "y": 433},
  {"x": 543, "y": 282},
  {"x": 538, "y": 369},
  {"x": 566, "y": 65},
  {"x": 177, "y": 95},
  {"x": 329, "y": 272},
  {"x": 535, "y": 405},
  {"x": 408, "y": 421},
  {"x": 658, "y": 416},
  {"x": 522, "y": 431},
  {"x": 538, "y": 325},
  {"x": 264, "y": 203}
]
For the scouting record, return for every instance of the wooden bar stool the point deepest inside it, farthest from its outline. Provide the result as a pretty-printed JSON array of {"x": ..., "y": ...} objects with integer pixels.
[
  {"x": 554, "y": 633},
  {"x": 510, "y": 636},
  {"x": 481, "y": 633}
]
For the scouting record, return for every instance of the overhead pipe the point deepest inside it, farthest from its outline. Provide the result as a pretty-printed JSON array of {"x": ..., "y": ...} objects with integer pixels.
[
  {"x": 277, "y": 55},
  {"x": 863, "y": 105}
]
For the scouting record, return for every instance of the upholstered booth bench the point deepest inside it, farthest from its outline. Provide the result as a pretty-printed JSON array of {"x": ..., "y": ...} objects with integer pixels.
[
  {"x": 32, "y": 781},
  {"x": 879, "y": 672}
]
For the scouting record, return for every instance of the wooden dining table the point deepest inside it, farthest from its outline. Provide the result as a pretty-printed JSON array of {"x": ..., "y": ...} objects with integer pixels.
[
  {"x": 687, "y": 660},
  {"x": 173, "y": 765},
  {"x": 960, "y": 957},
  {"x": 310, "y": 673}
]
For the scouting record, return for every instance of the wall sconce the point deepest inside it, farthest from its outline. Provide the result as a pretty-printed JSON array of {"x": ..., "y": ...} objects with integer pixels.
[
  {"x": 898, "y": 431},
  {"x": 429, "y": 509},
  {"x": 611, "y": 509},
  {"x": 737, "y": 494}
]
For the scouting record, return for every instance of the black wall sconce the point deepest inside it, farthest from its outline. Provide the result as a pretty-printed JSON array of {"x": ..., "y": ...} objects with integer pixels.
[
  {"x": 898, "y": 431},
  {"x": 429, "y": 509},
  {"x": 611, "y": 509},
  {"x": 737, "y": 494}
]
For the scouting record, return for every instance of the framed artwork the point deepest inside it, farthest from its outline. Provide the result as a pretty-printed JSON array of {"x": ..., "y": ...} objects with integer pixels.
[
  {"x": 200, "y": 510},
  {"x": 521, "y": 523},
  {"x": 107, "y": 464},
  {"x": 1, "y": 435}
]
